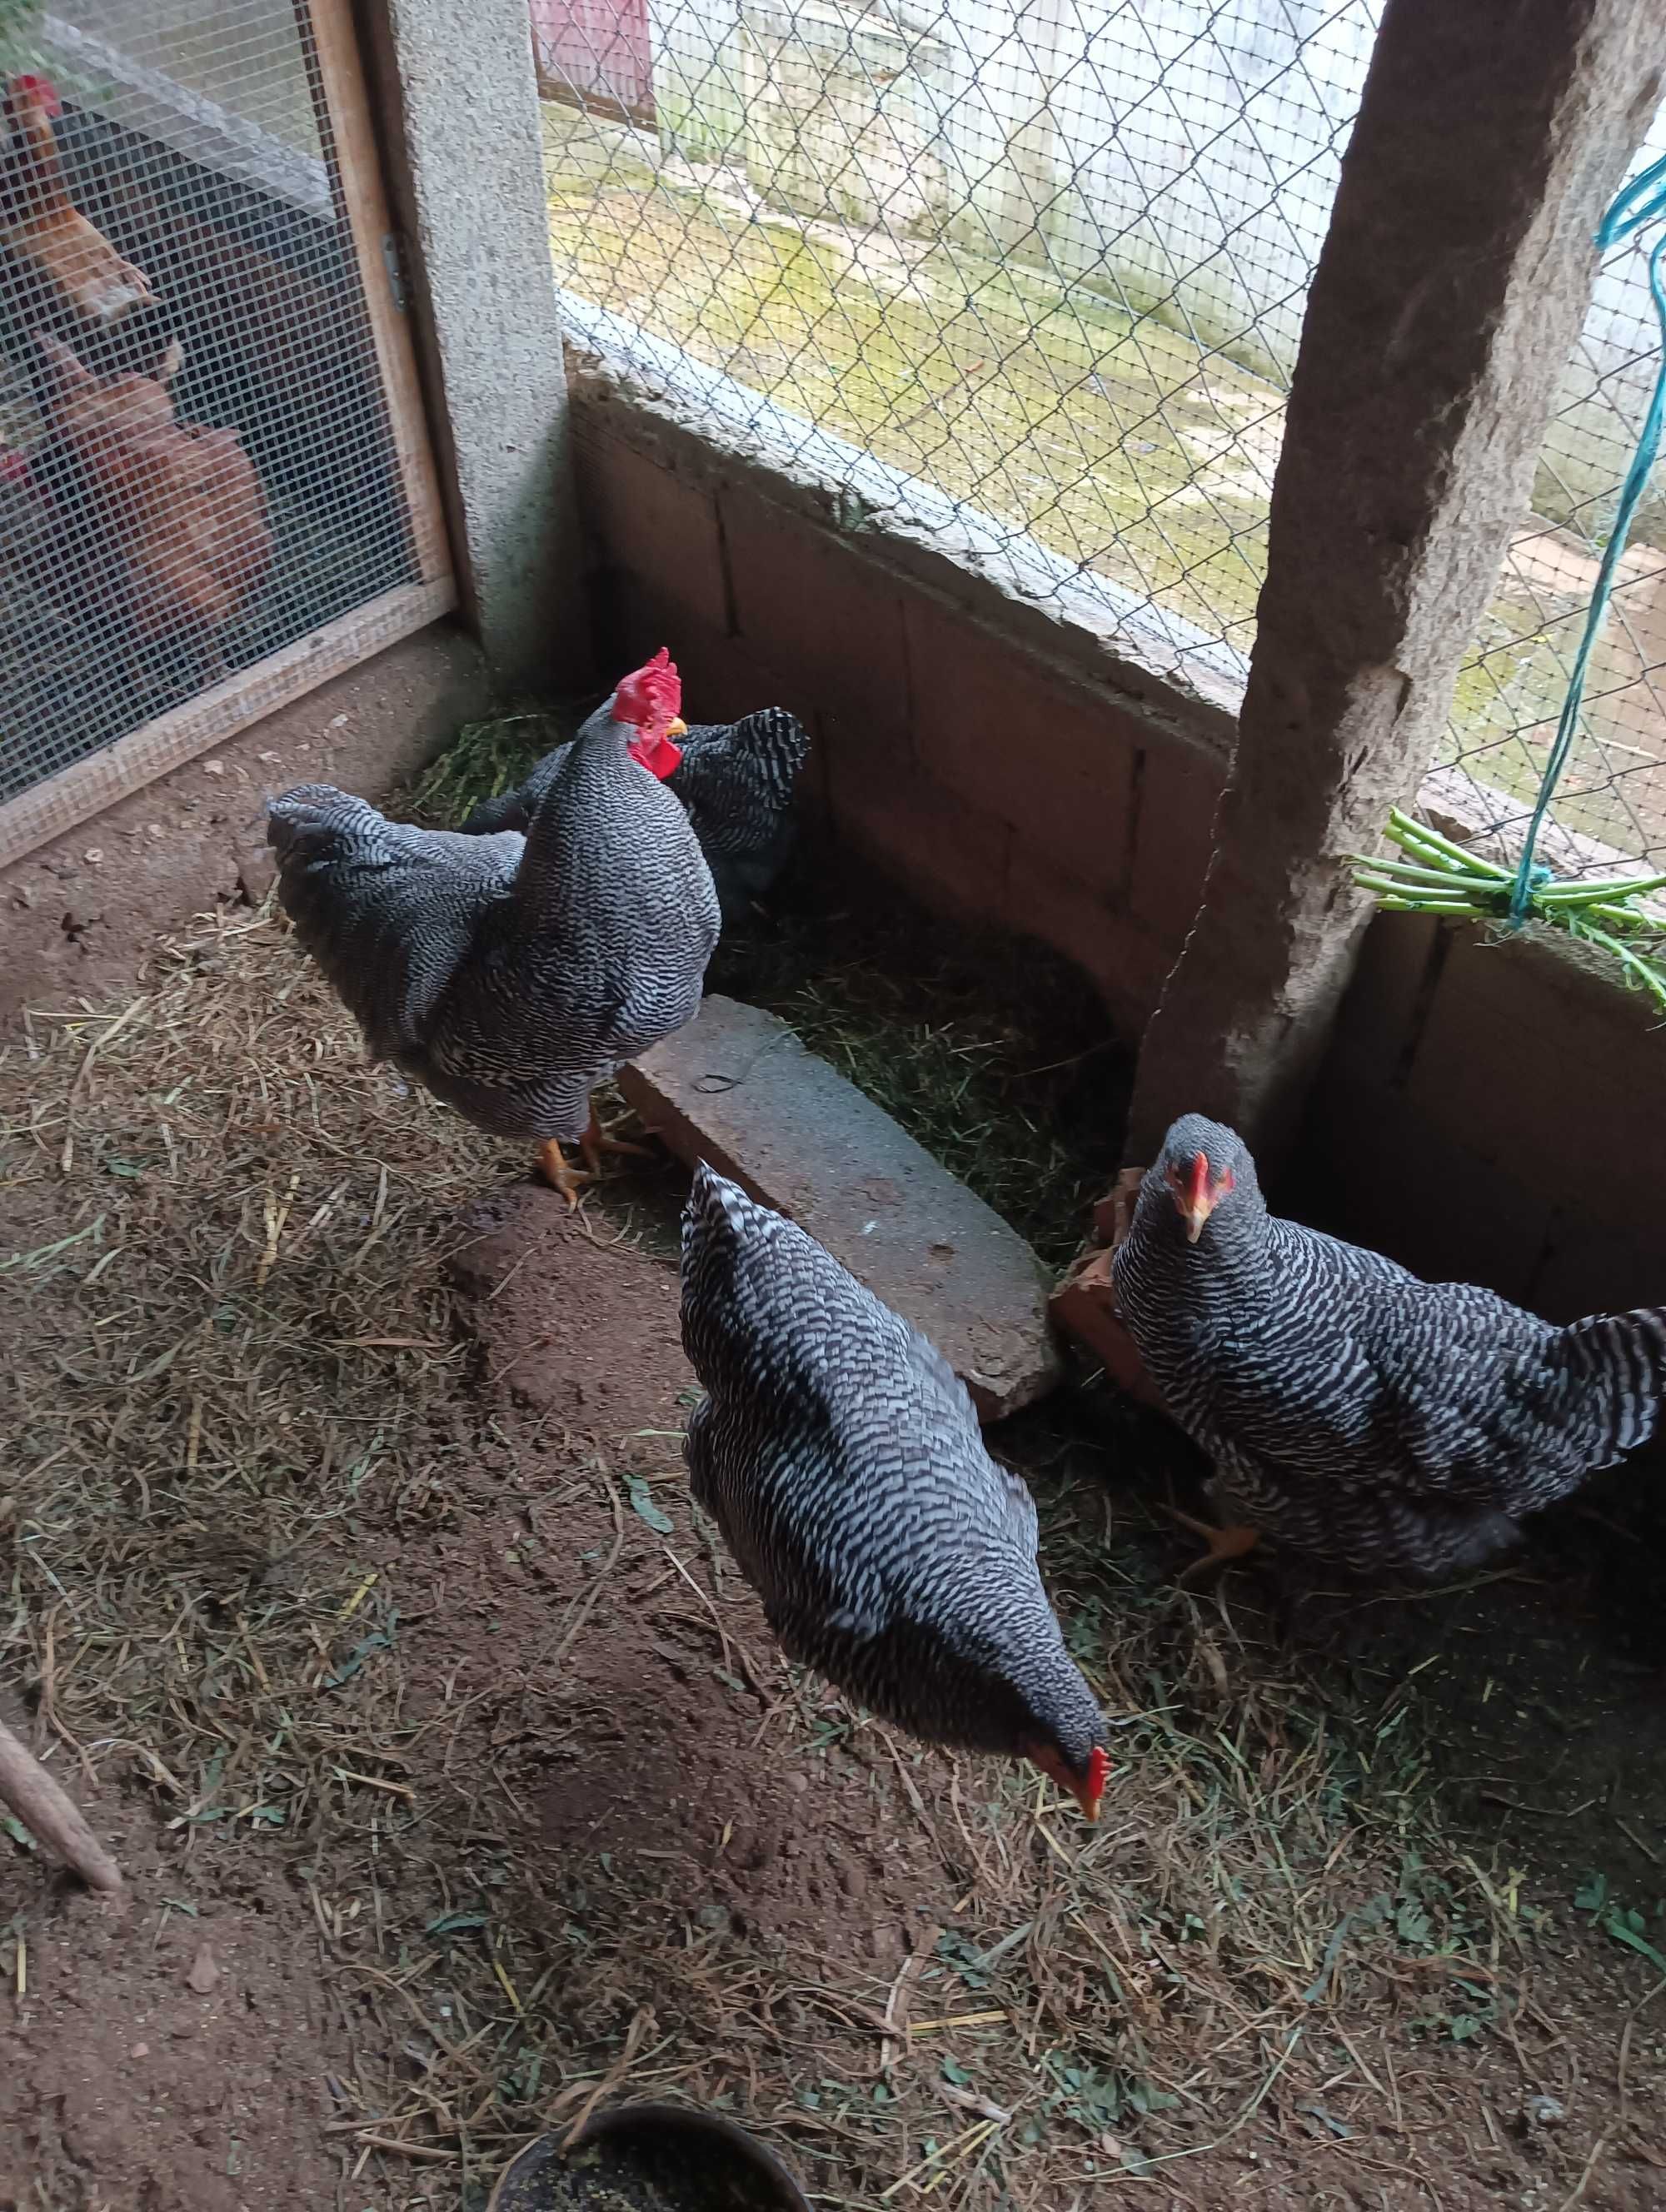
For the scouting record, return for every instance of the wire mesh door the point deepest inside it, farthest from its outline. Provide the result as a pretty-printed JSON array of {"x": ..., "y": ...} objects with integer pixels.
[{"x": 216, "y": 489}]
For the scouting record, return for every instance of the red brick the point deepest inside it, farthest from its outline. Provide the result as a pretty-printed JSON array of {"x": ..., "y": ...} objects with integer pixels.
[
  {"x": 722, "y": 681},
  {"x": 1085, "y": 1306},
  {"x": 655, "y": 526},
  {"x": 1591, "y": 1267},
  {"x": 1177, "y": 791},
  {"x": 804, "y": 601},
  {"x": 854, "y": 751},
  {"x": 1054, "y": 759},
  {"x": 1376, "y": 1170},
  {"x": 737, "y": 1088}
]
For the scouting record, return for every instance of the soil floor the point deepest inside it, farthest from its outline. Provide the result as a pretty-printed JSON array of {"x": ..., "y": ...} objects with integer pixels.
[{"x": 350, "y": 1584}]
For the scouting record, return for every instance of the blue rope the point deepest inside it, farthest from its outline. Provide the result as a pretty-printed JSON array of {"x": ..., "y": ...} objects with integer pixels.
[{"x": 1643, "y": 201}]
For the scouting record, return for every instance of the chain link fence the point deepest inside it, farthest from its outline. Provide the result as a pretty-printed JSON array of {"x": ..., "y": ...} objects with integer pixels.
[
  {"x": 1050, "y": 258},
  {"x": 1610, "y": 806}
]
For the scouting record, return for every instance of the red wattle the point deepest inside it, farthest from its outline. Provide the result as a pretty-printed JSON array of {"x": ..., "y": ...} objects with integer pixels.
[{"x": 659, "y": 756}]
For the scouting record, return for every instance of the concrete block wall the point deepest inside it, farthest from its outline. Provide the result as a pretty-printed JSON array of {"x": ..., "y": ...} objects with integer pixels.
[
  {"x": 995, "y": 760},
  {"x": 1489, "y": 1111},
  {"x": 1486, "y": 1110}
]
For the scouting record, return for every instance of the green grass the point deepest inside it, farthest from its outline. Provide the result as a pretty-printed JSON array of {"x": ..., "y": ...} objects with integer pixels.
[
  {"x": 484, "y": 759},
  {"x": 1118, "y": 444}
]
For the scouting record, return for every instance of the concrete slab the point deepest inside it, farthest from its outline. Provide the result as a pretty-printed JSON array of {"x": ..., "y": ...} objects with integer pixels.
[{"x": 738, "y": 1089}]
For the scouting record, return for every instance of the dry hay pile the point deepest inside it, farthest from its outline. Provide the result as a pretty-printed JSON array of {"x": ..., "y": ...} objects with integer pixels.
[{"x": 249, "y": 1448}]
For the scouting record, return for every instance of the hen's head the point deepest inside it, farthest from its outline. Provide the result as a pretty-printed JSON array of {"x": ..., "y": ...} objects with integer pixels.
[
  {"x": 649, "y": 700},
  {"x": 1202, "y": 1163},
  {"x": 1082, "y": 1776},
  {"x": 30, "y": 95}
]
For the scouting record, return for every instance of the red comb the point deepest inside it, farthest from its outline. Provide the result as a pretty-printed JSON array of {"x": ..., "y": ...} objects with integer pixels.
[
  {"x": 13, "y": 466},
  {"x": 650, "y": 697},
  {"x": 41, "y": 88}
]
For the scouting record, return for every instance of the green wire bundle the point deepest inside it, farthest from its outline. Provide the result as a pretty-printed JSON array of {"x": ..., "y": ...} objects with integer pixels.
[{"x": 1441, "y": 877}]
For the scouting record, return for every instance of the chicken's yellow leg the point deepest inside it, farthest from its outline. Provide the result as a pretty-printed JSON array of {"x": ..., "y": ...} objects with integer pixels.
[
  {"x": 556, "y": 1169},
  {"x": 1224, "y": 1543},
  {"x": 596, "y": 1140}
]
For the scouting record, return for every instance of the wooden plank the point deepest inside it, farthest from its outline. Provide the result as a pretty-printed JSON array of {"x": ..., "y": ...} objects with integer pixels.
[
  {"x": 364, "y": 195},
  {"x": 62, "y": 802}
]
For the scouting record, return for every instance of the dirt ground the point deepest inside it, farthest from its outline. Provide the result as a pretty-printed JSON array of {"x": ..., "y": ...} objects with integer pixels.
[{"x": 351, "y": 1585}]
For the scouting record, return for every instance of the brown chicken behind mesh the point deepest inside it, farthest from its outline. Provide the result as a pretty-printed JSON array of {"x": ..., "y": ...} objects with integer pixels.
[
  {"x": 165, "y": 520},
  {"x": 39, "y": 222}
]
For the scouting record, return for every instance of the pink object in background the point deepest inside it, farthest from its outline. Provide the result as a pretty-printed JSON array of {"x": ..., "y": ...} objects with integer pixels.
[{"x": 597, "y": 51}]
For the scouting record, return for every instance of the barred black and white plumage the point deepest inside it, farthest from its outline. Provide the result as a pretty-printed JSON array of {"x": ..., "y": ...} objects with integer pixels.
[
  {"x": 840, "y": 1456},
  {"x": 1354, "y": 1412},
  {"x": 511, "y": 974},
  {"x": 735, "y": 778}
]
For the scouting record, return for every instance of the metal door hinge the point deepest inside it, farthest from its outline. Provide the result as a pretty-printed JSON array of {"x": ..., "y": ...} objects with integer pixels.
[{"x": 393, "y": 260}]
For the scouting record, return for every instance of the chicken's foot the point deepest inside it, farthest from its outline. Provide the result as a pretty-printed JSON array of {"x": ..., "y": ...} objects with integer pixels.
[
  {"x": 596, "y": 1140},
  {"x": 558, "y": 1171},
  {"x": 1224, "y": 1544}
]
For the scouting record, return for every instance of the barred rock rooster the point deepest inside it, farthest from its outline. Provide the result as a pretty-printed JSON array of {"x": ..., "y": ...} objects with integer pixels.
[
  {"x": 840, "y": 1456},
  {"x": 735, "y": 780},
  {"x": 1354, "y": 1413},
  {"x": 509, "y": 974}
]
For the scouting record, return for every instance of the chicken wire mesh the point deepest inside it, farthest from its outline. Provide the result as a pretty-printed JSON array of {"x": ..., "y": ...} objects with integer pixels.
[
  {"x": 1610, "y": 803},
  {"x": 197, "y": 465},
  {"x": 1048, "y": 257},
  {"x": 1051, "y": 257}
]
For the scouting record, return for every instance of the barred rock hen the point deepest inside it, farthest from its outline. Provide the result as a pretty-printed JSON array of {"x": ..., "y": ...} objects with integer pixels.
[
  {"x": 736, "y": 781},
  {"x": 511, "y": 975},
  {"x": 840, "y": 1456},
  {"x": 1354, "y": 1413}
]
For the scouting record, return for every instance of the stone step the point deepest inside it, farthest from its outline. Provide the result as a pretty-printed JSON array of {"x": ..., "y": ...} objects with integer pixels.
[{"x": 736, "y": 1088}]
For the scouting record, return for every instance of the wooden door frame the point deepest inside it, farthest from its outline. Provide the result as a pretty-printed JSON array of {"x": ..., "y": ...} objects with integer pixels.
[{"x": 61, "y": 803}]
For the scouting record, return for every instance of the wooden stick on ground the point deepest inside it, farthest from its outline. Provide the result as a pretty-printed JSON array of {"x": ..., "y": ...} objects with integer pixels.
[{"x": 42, "y": 1806}]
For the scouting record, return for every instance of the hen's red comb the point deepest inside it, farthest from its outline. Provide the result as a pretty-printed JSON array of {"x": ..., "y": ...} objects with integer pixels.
[
  {"x": 652, "y": 695},
  {"x": 39, "y": 88},
  {"x": 13, "y": 466}
]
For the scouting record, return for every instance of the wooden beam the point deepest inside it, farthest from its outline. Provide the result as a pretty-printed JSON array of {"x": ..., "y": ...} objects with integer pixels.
[
  {"x": 60, "y": 803},
  {"x": 1447, "y": 298},
  {"x": 471, "y": 206},
  {"x": 358, "y": 169}
]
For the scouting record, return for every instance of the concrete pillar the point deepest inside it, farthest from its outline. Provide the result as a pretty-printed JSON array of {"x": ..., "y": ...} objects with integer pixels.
[
  {"x": 1448, "y": 295},
  {"x": 456, "y": 101}
]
